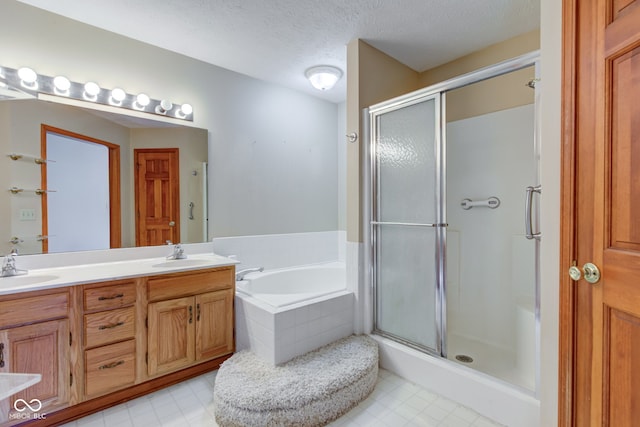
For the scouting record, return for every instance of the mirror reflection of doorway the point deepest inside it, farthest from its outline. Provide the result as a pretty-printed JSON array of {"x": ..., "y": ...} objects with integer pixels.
[
  {"x": 81, "y": 210},
  {"x": 157, "y": 197}
]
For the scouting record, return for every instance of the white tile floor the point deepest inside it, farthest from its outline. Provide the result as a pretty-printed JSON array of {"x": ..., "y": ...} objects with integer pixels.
[{"x": 395, "y": 402}]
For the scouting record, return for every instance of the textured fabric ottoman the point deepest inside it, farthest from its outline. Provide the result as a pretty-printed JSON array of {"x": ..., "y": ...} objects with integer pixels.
[{"x": 309, "y": 390}]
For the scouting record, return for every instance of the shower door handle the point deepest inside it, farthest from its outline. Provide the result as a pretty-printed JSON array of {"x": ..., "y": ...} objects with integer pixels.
[{"x": 528, "y": 215}]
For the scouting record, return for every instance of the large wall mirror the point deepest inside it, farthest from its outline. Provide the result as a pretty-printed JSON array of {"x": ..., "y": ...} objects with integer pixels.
[{"x": 153, "y": 190}]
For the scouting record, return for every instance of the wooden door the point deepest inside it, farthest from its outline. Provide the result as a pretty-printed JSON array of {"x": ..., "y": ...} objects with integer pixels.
[
  {"x": 42, "y": 348},
  {"x": 214, "y": 325},
  {"x": 600, "y": 323},
  {"x": 171, "y": 335},
  {"x": 157, "y": 197}
]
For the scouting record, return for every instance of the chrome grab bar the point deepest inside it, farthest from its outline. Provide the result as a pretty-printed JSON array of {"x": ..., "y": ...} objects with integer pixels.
[{"x": 528, "y": 220}]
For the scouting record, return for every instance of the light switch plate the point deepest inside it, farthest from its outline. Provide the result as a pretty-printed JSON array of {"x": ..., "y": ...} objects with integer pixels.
[{"x": 27, "y": 214}]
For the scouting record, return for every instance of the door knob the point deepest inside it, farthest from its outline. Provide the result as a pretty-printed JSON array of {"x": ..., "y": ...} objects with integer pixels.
[
  {"x": 172, "y": 223},
  {"x": 591, "y": 273}
]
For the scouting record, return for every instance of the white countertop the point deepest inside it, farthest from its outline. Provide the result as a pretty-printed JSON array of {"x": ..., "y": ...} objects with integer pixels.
[
  {"x": 12, "y": 383},
  {"x": 47, "y": 278}
]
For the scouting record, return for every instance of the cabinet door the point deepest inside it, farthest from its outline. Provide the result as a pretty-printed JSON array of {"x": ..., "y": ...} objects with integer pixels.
[
  {"x": 171, "y": 335},
  {"x": 214, "y": 324},
  {"x": 42, "y": 348}
]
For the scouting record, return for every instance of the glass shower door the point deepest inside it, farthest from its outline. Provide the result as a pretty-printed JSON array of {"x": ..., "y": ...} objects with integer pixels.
[{"x": 406, "y": 223}]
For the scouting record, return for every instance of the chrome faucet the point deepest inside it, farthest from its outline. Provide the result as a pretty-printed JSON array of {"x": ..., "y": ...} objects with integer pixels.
[
  {"x": 9, "y": 265},
  {"x": 178, "y": 251},
  {"x": 240, "y": 274}
]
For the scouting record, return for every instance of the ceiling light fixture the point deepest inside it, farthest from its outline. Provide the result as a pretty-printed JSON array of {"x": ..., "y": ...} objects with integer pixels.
[{"x": 323, "y": 77}]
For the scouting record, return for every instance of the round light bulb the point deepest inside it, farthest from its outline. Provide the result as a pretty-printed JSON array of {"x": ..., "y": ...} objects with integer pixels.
[
  {"x": 61, "y": 84},
  {"x": 186, "y": 109},
  {"x": 28, "y": 78},
  {"x": 164, "y": 107},
  {"x": 142, "y": 100},
  {"x": 118, "y": 94},
  {"x": 92, "y": 89}
]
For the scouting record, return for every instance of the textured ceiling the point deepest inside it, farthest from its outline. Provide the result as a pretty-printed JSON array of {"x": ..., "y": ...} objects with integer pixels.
[{"x": 277, "y": 40}]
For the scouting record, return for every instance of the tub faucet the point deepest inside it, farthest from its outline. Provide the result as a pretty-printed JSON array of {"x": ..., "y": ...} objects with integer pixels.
[
  {"x": 240, "y": 274},
  {"x": 9, "y": 265},
  {"x": 178, "y": 251}
]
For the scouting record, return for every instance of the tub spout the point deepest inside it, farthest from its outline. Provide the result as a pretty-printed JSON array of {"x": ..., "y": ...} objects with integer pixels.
[{"x": 240, "y": 274}]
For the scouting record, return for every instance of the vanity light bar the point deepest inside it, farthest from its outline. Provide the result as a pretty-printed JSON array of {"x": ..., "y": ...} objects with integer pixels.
[{"x": 27, "y": 80}]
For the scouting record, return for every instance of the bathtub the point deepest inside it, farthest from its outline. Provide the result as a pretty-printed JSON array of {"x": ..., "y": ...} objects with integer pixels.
[
  {"x": 284, "y": 313},
  {"x": 283, "y": 287}
]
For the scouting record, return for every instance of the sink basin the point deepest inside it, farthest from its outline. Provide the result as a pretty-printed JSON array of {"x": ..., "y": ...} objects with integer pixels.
[
  {"x": 177, "y": 263},
  {"x": 26, "y": 280}
]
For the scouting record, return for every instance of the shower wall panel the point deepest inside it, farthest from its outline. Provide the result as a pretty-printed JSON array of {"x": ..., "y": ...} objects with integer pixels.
[{"x": 490, "y": 264}]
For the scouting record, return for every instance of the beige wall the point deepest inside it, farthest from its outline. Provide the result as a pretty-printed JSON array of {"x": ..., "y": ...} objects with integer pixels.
[
  {"x": 490, "y": 95},
  {"x": 372, "y": 77},
  {"x": 482, "y": 58}
]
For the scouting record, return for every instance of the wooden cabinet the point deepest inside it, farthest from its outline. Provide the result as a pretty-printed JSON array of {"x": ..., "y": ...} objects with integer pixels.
[
  {"x": 34, "y": 338},
  {"x": 99, "y": 344},
  {"x": 171, "y": 335},
  {"x": 189, "y": 328},
  {"x": 109, "y": 337},
  {"x": 214, "y": 324}
]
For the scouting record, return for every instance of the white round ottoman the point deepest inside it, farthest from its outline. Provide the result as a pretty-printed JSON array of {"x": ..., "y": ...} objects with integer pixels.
[{"x": 309, "y": 390}]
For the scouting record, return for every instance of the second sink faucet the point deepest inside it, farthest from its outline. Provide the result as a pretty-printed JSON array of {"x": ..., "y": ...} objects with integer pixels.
[
  {"x": 178, "y": 251},
  {"x": 9, "y": 265},
  {"x": 240, "y": 274}
]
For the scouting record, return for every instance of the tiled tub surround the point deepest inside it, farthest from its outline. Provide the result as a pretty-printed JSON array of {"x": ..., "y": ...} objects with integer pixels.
[
  {"x": 279, "y": 326},
  {"x": 273, "y": 251}
]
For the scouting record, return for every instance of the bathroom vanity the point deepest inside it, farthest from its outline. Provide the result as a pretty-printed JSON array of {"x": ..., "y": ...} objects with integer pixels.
[{"x": 105, "y": 333}]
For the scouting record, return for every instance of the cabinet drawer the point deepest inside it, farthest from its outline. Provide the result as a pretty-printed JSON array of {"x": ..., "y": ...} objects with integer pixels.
[
  {"x": 111, "y": 296},
  {"x": 109, "y": 326},
  {"x": 34, "y": 309},
  {"x": 110, "y": 367},
  {"x": 184, "y": 284}
]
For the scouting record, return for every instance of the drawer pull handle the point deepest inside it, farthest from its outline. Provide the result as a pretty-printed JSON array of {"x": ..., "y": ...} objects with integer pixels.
[
  {"x": 112, "y": 365},
  {"x": 198, "y": 312},
  {"x": 111, "y": 326},
  {"x": 111, "y": 297},
  {"x": 1, "y": 355},
  {"x": 190, "y": 314}
]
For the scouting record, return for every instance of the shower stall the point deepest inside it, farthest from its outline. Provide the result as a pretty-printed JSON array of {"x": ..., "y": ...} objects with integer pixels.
[{"x": 453, "y": 223}]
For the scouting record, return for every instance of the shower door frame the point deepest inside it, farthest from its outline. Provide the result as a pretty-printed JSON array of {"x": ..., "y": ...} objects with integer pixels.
[
  {"x": 438, "y": 91},
  {"x": 440, "y": 236}
]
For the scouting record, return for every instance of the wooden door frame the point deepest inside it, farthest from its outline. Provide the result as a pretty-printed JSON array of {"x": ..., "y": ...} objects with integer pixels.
[
  {"x": 115, "y": 219},
  {"x": 176, "y": 189},
  {"x": 566, "y": 356}
]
